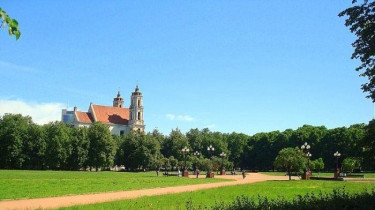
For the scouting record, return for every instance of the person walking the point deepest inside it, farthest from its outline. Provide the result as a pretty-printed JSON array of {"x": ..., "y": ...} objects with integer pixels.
[
  {"x": 243, "y": 174},
  {"x": 197, "y": 173},
  {"x": 157, "y": 172}
]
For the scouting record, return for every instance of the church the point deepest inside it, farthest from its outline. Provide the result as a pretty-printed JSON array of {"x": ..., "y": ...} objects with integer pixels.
[{"x": 119, "y": 119}]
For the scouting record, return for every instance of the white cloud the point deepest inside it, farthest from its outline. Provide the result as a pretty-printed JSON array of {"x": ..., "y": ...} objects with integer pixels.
[
  {"x": 180, "y": 117},
  {"x": 14, "y": 67},
  {"x": 41, "y": 113}
]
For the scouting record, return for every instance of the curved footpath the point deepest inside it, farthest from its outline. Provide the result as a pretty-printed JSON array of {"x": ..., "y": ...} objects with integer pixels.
[{"x": 70, "y": 200}]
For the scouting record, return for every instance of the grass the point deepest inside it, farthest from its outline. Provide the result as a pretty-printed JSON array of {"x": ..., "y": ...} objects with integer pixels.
[
  {"x": 17, "y": 184},
  {"x": 271, "y": 189},
  {"x": 321, "y": 174}
]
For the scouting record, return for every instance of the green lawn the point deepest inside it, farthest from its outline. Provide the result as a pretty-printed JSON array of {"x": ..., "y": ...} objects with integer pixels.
[
  {"x": 321, "y": 174},
  {"x": 271, "y": 189},
  {"x": 17, "y": 184}
]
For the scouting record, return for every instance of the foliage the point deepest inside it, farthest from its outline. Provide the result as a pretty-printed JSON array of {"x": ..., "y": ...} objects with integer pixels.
[
  {"x": 317, "y": 165},
  {"x": 361, "y": 21},
  {"x": 368, "y": 144},
  {"x": 58, "y": 149},
  {"x": 26, "y": 145},
  {"x": 80, "y": 142},
  {"x": 348, "y": 164},
  {"x": 12, "y": 24},
  {"x": 13, "y": 130},
  {"x": 102, "y": 146},
  {"x": 139, "y": 151},
  {"x": 338, "y": 199},
  {"x": 206, "y": 199},
  {"x": 290, "y": 159}
]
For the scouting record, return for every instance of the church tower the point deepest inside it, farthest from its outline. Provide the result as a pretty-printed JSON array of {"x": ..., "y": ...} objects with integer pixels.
[
  {"x": 136, "y": 111},
  {"x": 118, "y": 101}
]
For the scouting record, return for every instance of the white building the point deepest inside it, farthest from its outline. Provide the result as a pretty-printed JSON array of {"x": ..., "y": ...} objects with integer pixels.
[{"x": 119, "y": 119}]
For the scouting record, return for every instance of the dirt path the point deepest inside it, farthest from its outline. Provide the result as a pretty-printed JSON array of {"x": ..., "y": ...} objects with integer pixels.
[{"x": 63, "y": 201}]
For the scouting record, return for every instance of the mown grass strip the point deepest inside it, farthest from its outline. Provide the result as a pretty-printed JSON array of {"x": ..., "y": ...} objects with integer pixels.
[
  {"x": 270, "y": 189},
  {"x": 17, "y": 184}
]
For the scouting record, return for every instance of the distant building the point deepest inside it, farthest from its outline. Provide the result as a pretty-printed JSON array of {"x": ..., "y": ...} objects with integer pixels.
[{"x": 119, "y": 119}]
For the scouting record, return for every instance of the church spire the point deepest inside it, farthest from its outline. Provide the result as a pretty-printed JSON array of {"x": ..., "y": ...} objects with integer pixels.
[
  {"x": 136, "y": 122},
  {"x": 118, "y": 101}
]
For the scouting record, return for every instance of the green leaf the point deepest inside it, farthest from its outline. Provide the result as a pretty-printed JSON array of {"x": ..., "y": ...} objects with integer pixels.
[{"x": 17, "y": 34}]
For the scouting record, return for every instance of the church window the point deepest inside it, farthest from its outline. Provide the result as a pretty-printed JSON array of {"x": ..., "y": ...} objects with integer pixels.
[
  {"x": 139, "y": 115},
  {"x": 139, "y": 102}
]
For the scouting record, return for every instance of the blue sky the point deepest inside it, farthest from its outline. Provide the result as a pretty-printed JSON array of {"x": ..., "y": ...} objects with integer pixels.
[{"x": 243, "y": 66}]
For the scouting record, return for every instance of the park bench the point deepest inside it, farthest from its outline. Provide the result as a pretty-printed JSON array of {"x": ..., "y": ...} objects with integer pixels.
[
  {"x": 231, "y": 173},
  {"x": 327, "y": 178},
  {"x": 355, "y": 176},
  {"x": 170, "y": 174}
]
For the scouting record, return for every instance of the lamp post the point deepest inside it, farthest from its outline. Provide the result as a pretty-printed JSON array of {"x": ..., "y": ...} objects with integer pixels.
[
  {"x": 305, "y": 149},
  {"x": 210, "y": 150},
  {"x": 196, "y": 153},
  {"x": 222, "y": 155},
  {"x": 308, "y": 155},
  {"x": 337, "y": 171},
  {"x": 185, "y": 150}
]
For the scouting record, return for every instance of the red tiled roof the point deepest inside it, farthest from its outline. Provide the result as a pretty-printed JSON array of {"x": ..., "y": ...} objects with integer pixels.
[
  {"x": 84, "y": 117},
  {"x": 109, "y": 114}
]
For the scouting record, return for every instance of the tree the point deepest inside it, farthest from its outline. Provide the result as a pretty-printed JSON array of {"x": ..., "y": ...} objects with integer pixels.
[
  {"x": 58, "y": 148},
  {"x": 317, "y": 164},
  {"x": 348, "y": 164},
  {"x": 361, "y": 20},
  {"x": 236, "y": 144},
  {"x": 13, "y": 130},
  {"x": 35, "y": 146},
  {"x": 12, "y": 24},
  {"x": 140, "y": 151},
  {"x": 102, "y": 146},
  {"x": 173, "y": 144},
  {"x": 368, "y": 144},
  {"x": 80, "y": 148},
  {"x": 173, "y": 162},
  {"x": 291, "y": 159}
]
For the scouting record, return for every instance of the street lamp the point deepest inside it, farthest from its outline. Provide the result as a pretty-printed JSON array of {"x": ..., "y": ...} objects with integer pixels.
[
  {"x": 196, "y": 153},
  {"x": 222, "y": 155},
  {"x": 337, "y": 155},
  {"x": 185, "y": 150},
  {"x": 305, "y": 146},
  {"x": 305, "y": 149},
  {"x": 308, "y": 155},
  {"x": 210, "y": 150}
]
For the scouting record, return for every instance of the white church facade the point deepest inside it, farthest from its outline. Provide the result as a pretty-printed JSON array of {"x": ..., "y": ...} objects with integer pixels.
[{"x": 119, "y": 119}]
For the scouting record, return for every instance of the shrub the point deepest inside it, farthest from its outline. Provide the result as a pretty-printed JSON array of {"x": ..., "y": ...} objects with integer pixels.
[{"x": 338, "y": 199}]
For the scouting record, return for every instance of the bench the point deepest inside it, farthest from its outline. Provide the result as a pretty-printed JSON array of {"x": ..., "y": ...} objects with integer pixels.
[
  {"x": 170, "y": 174},
  {"x": 327, "y": 178},
  {"x": 231, "y": 173},
  {"x": 355, "y": 176}
]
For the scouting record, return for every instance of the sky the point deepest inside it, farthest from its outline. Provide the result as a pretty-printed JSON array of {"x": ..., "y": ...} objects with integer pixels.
[{"x": 230, "y": 66}]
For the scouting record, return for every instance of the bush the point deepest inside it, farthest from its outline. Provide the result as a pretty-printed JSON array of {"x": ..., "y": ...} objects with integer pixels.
[{"x": 338, "y": 199}]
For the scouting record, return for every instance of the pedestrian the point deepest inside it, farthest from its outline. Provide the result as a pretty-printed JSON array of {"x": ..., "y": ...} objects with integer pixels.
[
  {"x": 197, "y": 173},
  {"x": 157, "y": 172},
  {"x": 179, "y": 172},
  {"x": 243, "y": 174}
]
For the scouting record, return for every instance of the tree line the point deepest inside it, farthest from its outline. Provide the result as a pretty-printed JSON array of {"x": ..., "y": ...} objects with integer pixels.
[{"x": 58, "y": 146}]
